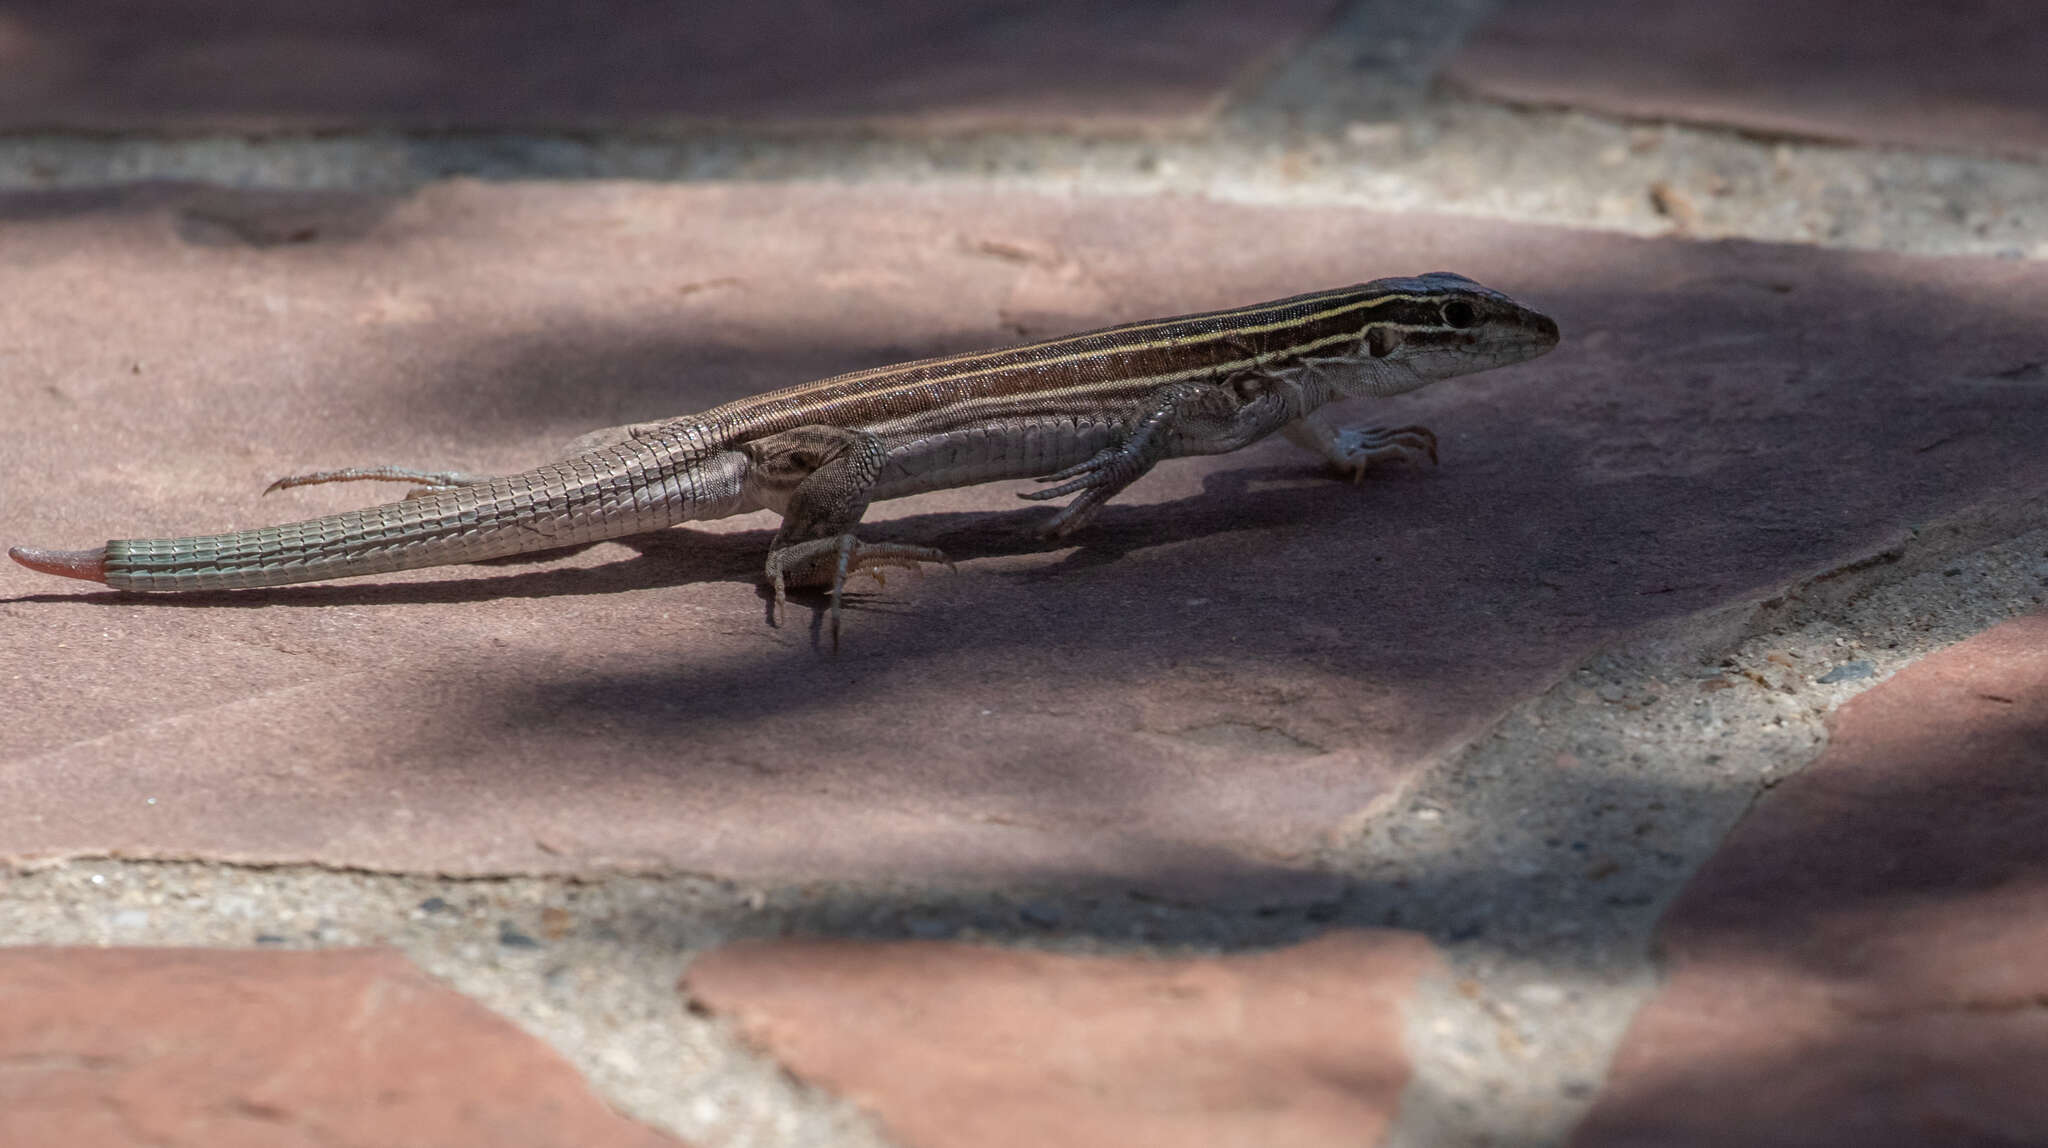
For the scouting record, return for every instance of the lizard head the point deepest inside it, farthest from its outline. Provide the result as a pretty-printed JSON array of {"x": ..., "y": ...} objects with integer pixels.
[{"x": 1439, "y": 325}]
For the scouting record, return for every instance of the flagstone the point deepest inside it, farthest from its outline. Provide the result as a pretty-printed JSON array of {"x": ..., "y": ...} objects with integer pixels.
[
  {"x": 196, "y": 1048},
  {"x": 1241, "y": 661},
  {"x": 958, "y": 1044},
  {"x": 241, "y": 65}
]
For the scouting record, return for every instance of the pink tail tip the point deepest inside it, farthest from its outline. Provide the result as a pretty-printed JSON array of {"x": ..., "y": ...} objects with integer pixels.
[{"x": 90, "y": 565}]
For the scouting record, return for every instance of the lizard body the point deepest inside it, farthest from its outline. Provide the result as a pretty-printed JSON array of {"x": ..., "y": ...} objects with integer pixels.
[{"x": 1087, "y": 414}]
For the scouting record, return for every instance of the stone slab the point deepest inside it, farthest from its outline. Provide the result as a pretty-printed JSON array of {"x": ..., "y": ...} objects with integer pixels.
[
  {"x": 1860, "y": 963},
  {"x": 1964, "y": 76},
  {"x": 190, "y": 1048},
  {"x": 955, "y": 1045},
  {"x": 1241, "y": 660},
  {"x": 239, "y": 65}
]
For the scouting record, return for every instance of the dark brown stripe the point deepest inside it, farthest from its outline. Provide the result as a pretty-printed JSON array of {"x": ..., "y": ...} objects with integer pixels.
[{"x": 1119, "y": 359}]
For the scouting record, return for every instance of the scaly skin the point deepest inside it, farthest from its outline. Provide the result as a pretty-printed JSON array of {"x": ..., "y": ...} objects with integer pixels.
[{"x": 1089, "y": 414}]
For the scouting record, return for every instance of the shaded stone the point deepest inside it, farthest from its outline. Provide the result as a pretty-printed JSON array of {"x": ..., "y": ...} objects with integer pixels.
[
  {"x": 526, "y": 64},
  {"x": 1959, "y": 76},
  {"x": 1860, "y": 963},
  {"x": 953, "y": 1044},
  {"x": 1237, "y": 663},
  {"x": 190, "y": 1048}
]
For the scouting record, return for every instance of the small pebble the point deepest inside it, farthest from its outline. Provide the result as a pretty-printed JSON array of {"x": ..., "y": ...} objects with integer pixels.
[
  {"x": 510, "y": 937},
  {"x": 930, "y": 928},
  {"x": 1041, "y": 914},
  {"x": 433, "y": 905}
]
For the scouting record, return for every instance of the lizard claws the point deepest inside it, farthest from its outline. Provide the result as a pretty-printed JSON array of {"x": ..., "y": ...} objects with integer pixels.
[
  {"x": 804, "y": 563},
  {"x": 1355, "y": 449},
  {"x": 1098, "y": 479}
]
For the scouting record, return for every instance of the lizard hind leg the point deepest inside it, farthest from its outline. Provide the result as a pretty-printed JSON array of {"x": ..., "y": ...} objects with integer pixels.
[
  {"x": 433, "y": 481},
  {"x": 822, "y": 477}
]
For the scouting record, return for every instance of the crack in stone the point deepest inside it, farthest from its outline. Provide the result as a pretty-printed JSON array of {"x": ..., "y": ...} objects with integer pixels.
[
  {"x": 2028, "y": 372},
  {"x": 59, "y": 1061},
  {"x": 1968, "y": 1005},
  {"x": 1249, "y": 736}
]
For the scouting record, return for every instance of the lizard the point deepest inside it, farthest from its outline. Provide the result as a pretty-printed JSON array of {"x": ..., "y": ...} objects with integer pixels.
[{"x": 1085, "y": 414}]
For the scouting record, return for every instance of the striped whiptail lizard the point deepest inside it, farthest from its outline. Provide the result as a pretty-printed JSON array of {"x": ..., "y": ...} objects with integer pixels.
[{"x": 1086, "y": 414}]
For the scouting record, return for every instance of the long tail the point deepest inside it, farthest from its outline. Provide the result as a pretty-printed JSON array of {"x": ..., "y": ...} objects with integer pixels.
[
  {"x": 90, "y": 565},
  {"x": 609, "y": 493}
]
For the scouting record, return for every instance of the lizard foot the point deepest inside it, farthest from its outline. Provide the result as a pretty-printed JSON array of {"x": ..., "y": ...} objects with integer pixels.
[
  {"x": 831, "y": 561},
  {"x": 1353, "y": 450},
  {"x": 428, "y": 481}
]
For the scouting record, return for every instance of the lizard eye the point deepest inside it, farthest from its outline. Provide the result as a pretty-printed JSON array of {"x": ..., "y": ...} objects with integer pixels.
[{"x": 1459, "y": 314}]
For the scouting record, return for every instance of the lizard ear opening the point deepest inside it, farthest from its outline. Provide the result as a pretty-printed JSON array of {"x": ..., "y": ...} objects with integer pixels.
[{"x": 1381, "y": 341}]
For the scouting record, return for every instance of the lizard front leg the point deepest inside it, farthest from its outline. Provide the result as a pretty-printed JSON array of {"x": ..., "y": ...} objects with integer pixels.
[
  {"x": 820, "y": 478},
  {"x": 1177, "y": 420},
  {"x": 1353, "y": 450}
]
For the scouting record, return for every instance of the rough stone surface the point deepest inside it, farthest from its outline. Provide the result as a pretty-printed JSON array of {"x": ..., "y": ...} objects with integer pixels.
[
  {"x": 1240, "y": 660},
  {"x": 180, "y": 1048},
  {"x": 1962, "y": 76},
  {"x": 242, "y": 64},
  {"x": 953, "y": 1044},
  {"x": 1860, "y": 963}
]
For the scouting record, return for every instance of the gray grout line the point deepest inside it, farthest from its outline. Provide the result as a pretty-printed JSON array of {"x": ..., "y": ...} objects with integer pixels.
[
  {"x": 590, "y": 968},
  {"x": 1374, "y": 62},
  {"x": 1451, "y": 156},
  {"x": 1575, "y": 823}
]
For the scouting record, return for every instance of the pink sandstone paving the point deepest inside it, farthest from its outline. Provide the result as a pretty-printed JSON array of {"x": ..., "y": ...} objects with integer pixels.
[
  {"x": 181, "y": 1048},
  {"x": 1964, "y": 76},
  {"x": 1241, "y": 661},
  {"x": 977, "y": 1047},
  {"x": 1862, "y": 961},
  {"x": 239, "y": 65}
]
